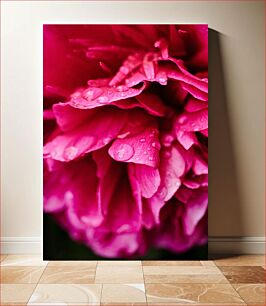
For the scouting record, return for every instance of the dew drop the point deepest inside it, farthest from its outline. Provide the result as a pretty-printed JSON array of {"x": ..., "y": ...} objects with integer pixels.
[
  {"x": 68, "y": 197},
  {"x": 167, "y": 140},
  {"x": 70, "y": 153},
  {"x": 142, "y": 140},
  {"x": 92, "y": 93},
  {"x": 163, "y": 79},
  {"x": 156, "y": 145},
  {"x": 183, "y": 119},
  {"x": 149, "y": 149},
  {"x": 86, "y": 142},
  {"x": 167, "y": 154},
  {"x": 124, "y": 135},
  {"x": 102, "y": 99},
  {"x": 153, "y": 133},
  {"x": 121, "y": 88},
  {"x": 75, "y": 95},
  {"x": 88, "y": 94},
  {"x": 145, "y": 153},
  {"x": 150, "y": 158},
  {"x": 124, "y": 70},
  {"x": 162, "y": 193},
  {"x": 124, "y": 152},
  {"x": 107, "y": 140}
]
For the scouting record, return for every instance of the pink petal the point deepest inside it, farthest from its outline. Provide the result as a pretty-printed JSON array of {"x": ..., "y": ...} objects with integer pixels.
[
  {"x": 195, "y": 210},
  {"x": 92, "y": 97},
  {"x": 114, "y": 245},
  {"x": 123, "y": 215},
  {"x": 204, "y": 132},
  {"x": 186, "y": 77},
  {"x": 186, "y": 139},
  {"x": 132, "y": 62},
  {"x": 108, "y": 173},
  {"x": 196, "y": 182},
  {"x": 148, "y": 179},
  {"x": 192, "y": 122},
  {"x": 143, "y": 148},
  {"x": 143, "y": 205},
  {"x": 68, "y": 117},
  {"x": 90, "y": 136},
  {"x": 194, "y": 105},
  {"x": 195, "y": 92},
  {"x": 183, "y": 194},
  {"x": 73, "y": 187},
  {"x": 200, "y": 166},
  {"x": 172, "y": 167},
  {"x": 152, "y": 103}
]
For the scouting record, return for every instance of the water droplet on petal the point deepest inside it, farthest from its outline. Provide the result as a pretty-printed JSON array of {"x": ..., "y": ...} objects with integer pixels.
[
  {"x": 149, "y": 149},
  {"x": 124, "y": 70},
  {"x": 121, "y": 88},
  {"x": 167, "y": 154},
  {"x": 68, "y": 197},
  {"x": 107, "y": 140},
  {"x": 167, "y": 140},
  {"x": 75, "y": 95},
  {"x": 124, "y": 152},
  {"x": 153, "y": 133},
  {"x": 70, "y": 153},
  {"x": 102, "y": 99},
  {"x": 145, "y": 153},
  {"x": 162, "y": 193},
  {"x": 142, "y": 140},
  {"x": 124, "y": 135},
  {"x": 162, "y": 79},
  {"x": 150, "y": 158},
  {"x": 92, "y": 93},
  {"x": 156, "y": 145},
  {"x": 88, "y": 94},
  {"x": 183, "y": 119}
]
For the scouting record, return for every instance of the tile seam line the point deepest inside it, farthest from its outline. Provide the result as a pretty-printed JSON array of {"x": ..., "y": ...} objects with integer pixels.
[
  {"x": 141, "y": 262},
  {"x": 36, "y": 285}
]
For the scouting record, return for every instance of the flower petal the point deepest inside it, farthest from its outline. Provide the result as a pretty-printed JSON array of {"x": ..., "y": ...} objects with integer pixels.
[
  {"x": 152, "y": 103},
  {"x": 90, "y": 136},
  {"x": 92, "y": 97},
  {"x": 195, "y": 210},
  {"x": 142, "y": 148},
  {"x": 192, "y": 122},
  {"x": 148, "y": 179},
  {"x": 68, "y": 117},
  {"x": 72, "y": 187},
  {"x": 108, "y": 173}
]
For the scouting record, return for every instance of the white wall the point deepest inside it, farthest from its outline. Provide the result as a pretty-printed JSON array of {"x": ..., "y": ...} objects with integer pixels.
[{"x": 237, "y": 153}]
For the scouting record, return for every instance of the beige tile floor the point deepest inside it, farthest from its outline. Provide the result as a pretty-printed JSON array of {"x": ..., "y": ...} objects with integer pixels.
[{"x": 235, "y": 280}]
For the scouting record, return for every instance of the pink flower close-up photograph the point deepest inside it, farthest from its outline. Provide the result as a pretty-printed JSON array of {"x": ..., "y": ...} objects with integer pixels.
[{"x": 125, "y": 156}]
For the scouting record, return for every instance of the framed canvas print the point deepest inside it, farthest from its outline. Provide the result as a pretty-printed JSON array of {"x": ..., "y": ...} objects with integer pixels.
[{"x": 125, "y": 115}]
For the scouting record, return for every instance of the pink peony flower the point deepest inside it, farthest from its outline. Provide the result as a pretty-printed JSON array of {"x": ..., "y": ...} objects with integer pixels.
[{"x": 125, "y": 132}]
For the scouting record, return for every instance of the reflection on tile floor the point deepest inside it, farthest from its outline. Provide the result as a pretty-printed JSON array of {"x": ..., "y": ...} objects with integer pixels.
[
  {"x": 28, "y": 280},
  {"x": 66, "y": 294}
]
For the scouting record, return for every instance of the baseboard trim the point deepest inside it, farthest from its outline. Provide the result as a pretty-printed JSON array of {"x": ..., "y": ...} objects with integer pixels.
[
  {"x": 217, "y": 245},
  {"x": 21, "y": 245},
  {"x": 236, "y": 245}
]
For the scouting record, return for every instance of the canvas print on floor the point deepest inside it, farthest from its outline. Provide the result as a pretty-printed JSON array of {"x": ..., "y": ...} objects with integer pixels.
[{"x": 125, "y": 152}]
